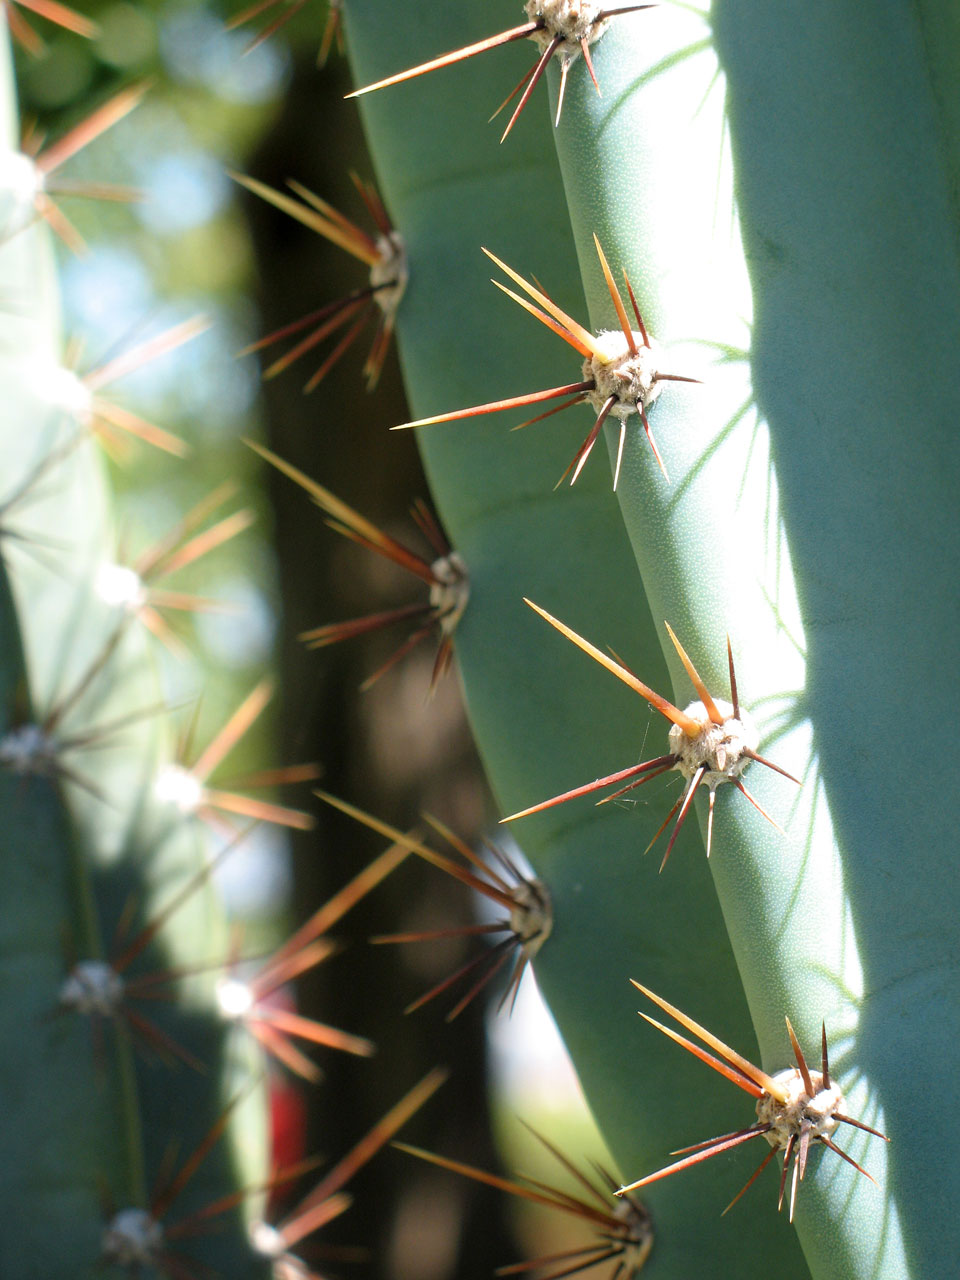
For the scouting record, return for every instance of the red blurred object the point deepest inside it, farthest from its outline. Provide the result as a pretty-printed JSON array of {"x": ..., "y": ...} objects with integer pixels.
[{"x": 288, "y": 1126}]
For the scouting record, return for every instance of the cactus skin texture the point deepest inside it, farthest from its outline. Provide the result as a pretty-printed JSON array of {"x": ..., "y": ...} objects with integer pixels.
[
  {"x": 87, "y": 1117},
  {"x": 781, "y": 184}
]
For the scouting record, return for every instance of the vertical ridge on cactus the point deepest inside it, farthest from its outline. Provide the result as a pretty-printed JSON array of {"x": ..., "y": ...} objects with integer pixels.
[
  {"x": 97, "y": 1110},
  {"x": 758, "y": 245},
  {"x": 533, "y": 725}
]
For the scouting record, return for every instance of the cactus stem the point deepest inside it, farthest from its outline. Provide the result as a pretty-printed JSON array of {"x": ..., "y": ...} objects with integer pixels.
[
  {"x": 795, "y": 1108},
  {"x": 711, "y": 744},
  {"x": 561, "y": 28},
  {"x": 623, "y": 1233}
]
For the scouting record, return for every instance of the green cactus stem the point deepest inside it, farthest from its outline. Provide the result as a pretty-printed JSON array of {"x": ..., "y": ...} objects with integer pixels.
[{"x": 540, "y": 720}]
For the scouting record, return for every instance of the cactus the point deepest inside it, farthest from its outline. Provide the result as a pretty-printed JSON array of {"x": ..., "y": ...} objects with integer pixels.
[
  {"x": 775, "y": 187},
  {"x": 128, "y": 1036},
  {"x": 88, "y": 1080},
  {"x": 737, "y": 195}
]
